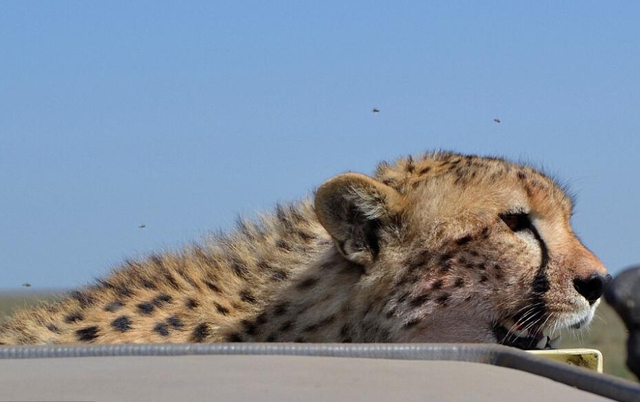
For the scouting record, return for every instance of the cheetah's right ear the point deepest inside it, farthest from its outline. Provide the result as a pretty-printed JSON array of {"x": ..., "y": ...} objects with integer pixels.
[{"x": 353, "y": 208}]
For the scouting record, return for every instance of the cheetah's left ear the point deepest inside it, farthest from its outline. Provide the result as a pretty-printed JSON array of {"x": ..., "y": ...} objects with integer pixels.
[{"x": 354, "y": 208}]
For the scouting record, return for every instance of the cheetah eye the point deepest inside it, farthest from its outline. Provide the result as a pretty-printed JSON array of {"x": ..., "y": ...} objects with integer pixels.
[{"x": 517, "y": 222}]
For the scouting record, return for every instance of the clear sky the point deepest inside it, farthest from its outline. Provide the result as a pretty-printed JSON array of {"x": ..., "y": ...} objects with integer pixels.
[{"x": 182, "y": 115}]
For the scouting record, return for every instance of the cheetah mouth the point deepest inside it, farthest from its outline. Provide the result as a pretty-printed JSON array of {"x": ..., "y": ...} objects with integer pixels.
[{"x": 509, "y": 333}]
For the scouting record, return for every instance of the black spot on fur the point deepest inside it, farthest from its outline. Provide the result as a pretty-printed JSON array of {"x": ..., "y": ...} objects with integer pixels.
[
  {"x": 521, "y": 175},
  {"x": 283, "y": 244},
  {"x": 162, "y": 329},
  {"x": 83, "y": 298},
  {"x": 147, "y": 284},
  {"x": 446, "y": 267},
  {"x": 87, "y": 334},
  {"x": 247, "y": 297},
  {"x": 235, "y": 337},
  {"x": 280, "y": 309},
  {"x": 424, "y": 170},
  {"x": 459, "y": 283},
  {"x": 249, "y": 327},
  {"x": 120, "y": 289},
  {"x": 306, "y": 237},
  {"x": 271, "y": 338},
  {"x": 175, "y": 322},
  {"x": 411, "y": 323},
  {"x": 200, "y": 333},
  {"x": 437, "y": 284},
  {"x": 191, "y": 303},
  {"x": 420, "y": 300},
  {"x": 212, "y": 286},
  {"x": 403, "y": 297},
  {"x": 171, "y": 280},
  {"x": 113, "y": 306},
  {"x": 344, "y": 331},
  {"x": 464, "y": 240},
  {"x": 145, "y": 308},
  {"x": 286, "y": 326},
  {"x": 299, "y": 340},
  {"x": 221, "y": 309},
  {"x": 279, "y": 275},
  {"x": 53, "y": 328},
  {"x": 73, "y": 317},
  {"x": 442, "y": 299},
  {"x": 306, "y": 283},
  {"x": 240, "y": 269},
  {"x": 124, "y": 291},
  {"x": 161, "y": 299},
  {"x": 309, "y": 328},
  {"x": 483, "y": 278},
  {"x": 410, "y": 166},
  {"x": 261, "y": 319},
  {"x": 121, "y": 324}
]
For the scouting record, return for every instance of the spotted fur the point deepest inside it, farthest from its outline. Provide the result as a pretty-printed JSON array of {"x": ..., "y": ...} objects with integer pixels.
[{"x": 418, "y": 252}]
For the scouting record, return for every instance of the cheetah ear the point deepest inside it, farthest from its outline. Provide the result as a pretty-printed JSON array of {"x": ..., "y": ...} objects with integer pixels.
[{"x": 354, "y": 208}]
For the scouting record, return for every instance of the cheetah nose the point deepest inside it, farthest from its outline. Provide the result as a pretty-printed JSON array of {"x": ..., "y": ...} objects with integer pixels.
[{"x": 592, "y": 287}]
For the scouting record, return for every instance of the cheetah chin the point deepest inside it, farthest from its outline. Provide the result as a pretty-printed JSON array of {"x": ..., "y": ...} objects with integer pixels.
[
  {"x": 519, "y": 332},
  {"x": 510, "y": 333}
]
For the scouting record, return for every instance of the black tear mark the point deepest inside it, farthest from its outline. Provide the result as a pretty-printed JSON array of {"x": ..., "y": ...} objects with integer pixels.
[
  {"x": 87, "y": 334},
  {"x": 540, "y": 283}
]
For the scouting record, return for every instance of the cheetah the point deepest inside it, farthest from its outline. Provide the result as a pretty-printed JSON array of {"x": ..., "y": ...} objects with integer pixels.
[{"x": 441, "y": 247}]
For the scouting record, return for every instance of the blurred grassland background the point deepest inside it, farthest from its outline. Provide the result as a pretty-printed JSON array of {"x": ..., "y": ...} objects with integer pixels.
[{"x": 607, "y": 333}]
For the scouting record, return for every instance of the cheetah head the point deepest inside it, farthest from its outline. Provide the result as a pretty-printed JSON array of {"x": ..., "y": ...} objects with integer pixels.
[{"x": 457, "y": 248}]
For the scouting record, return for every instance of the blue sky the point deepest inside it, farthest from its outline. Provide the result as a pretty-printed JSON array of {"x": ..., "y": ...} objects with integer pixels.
[{"x": 182, "y": 115}]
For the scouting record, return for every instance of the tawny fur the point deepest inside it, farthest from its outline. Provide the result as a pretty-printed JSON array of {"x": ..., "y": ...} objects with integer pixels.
[{"x": 418, "y": 252}]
